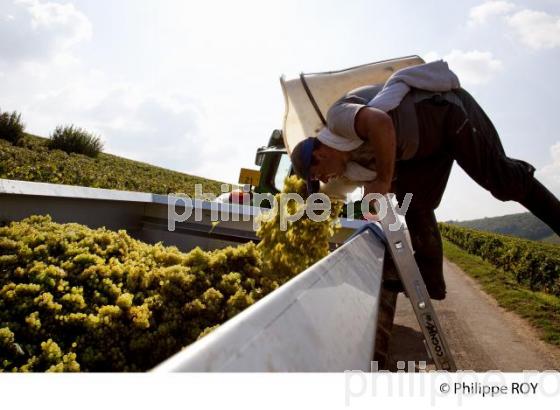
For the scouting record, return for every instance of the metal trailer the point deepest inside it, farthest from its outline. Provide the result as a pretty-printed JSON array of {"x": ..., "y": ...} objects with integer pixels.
[{"x": 334, "y": 316}]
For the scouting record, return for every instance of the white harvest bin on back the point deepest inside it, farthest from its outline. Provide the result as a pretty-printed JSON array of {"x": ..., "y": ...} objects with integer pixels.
[{"x": 301, "y": 119}]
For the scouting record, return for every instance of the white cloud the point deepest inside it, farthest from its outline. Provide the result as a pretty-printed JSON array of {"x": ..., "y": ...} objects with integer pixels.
[
  {"x": 151, "y": 129},
  {"x": 480, "y": 14},
  {"x": 536, "y": 29},
  {"x": 550, "y": 173},
  {"x": 473, "y": 67},
  {"x": 35, "y": 30}
]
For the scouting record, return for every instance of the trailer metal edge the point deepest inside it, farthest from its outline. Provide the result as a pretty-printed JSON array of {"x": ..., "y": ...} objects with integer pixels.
[{"x": 323, "y": 320}]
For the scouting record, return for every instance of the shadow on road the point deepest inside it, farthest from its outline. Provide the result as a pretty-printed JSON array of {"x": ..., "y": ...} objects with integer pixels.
[{"x": 406, "y": 345}]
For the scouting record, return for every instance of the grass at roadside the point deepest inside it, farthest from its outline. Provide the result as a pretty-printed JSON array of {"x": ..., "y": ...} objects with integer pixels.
[{"x": 542, "y": 310}]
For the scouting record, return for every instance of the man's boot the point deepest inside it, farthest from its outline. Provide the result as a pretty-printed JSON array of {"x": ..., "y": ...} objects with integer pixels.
[{"x": 543, "y": 204}]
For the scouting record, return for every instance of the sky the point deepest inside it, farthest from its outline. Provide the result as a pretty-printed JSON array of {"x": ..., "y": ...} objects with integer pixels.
[{"x": 194, "y": 85}]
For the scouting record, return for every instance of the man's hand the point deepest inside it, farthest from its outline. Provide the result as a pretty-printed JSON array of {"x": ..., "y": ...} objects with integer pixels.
[{"x": 377, "y": 186}]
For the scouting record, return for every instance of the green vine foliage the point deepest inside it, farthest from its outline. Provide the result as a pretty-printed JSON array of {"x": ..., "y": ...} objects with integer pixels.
[
  {"x": 33, "y": 161},
  {"x": 79, "y": 299},
  {"x": 534, "y": 264}
]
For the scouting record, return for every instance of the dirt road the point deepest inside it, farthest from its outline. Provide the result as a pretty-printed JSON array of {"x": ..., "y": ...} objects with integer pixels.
[{"x": 481, "y": 335}]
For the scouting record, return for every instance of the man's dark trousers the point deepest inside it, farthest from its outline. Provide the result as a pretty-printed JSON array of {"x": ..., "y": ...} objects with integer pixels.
[{"x": 448, "y": 134}]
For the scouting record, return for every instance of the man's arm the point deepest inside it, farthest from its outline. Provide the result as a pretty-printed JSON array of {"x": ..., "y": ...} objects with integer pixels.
[{"x": 377, "y": 127}]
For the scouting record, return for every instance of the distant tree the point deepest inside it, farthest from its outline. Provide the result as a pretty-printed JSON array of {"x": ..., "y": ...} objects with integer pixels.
[
  {"x": 11, "y": 127},
  {"x": 70, "y": 138}
]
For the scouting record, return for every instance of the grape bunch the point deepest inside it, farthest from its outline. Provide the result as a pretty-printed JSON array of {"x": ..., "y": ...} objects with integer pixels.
[{"x": 285, "y": 253}]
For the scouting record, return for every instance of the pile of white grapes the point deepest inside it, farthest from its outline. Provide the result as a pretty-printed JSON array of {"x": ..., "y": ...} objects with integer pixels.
[{"x": 79, "y": 299}]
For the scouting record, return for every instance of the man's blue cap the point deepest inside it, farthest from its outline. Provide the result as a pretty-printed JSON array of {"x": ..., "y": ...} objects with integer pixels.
[{"x": 302, "y": 156}]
